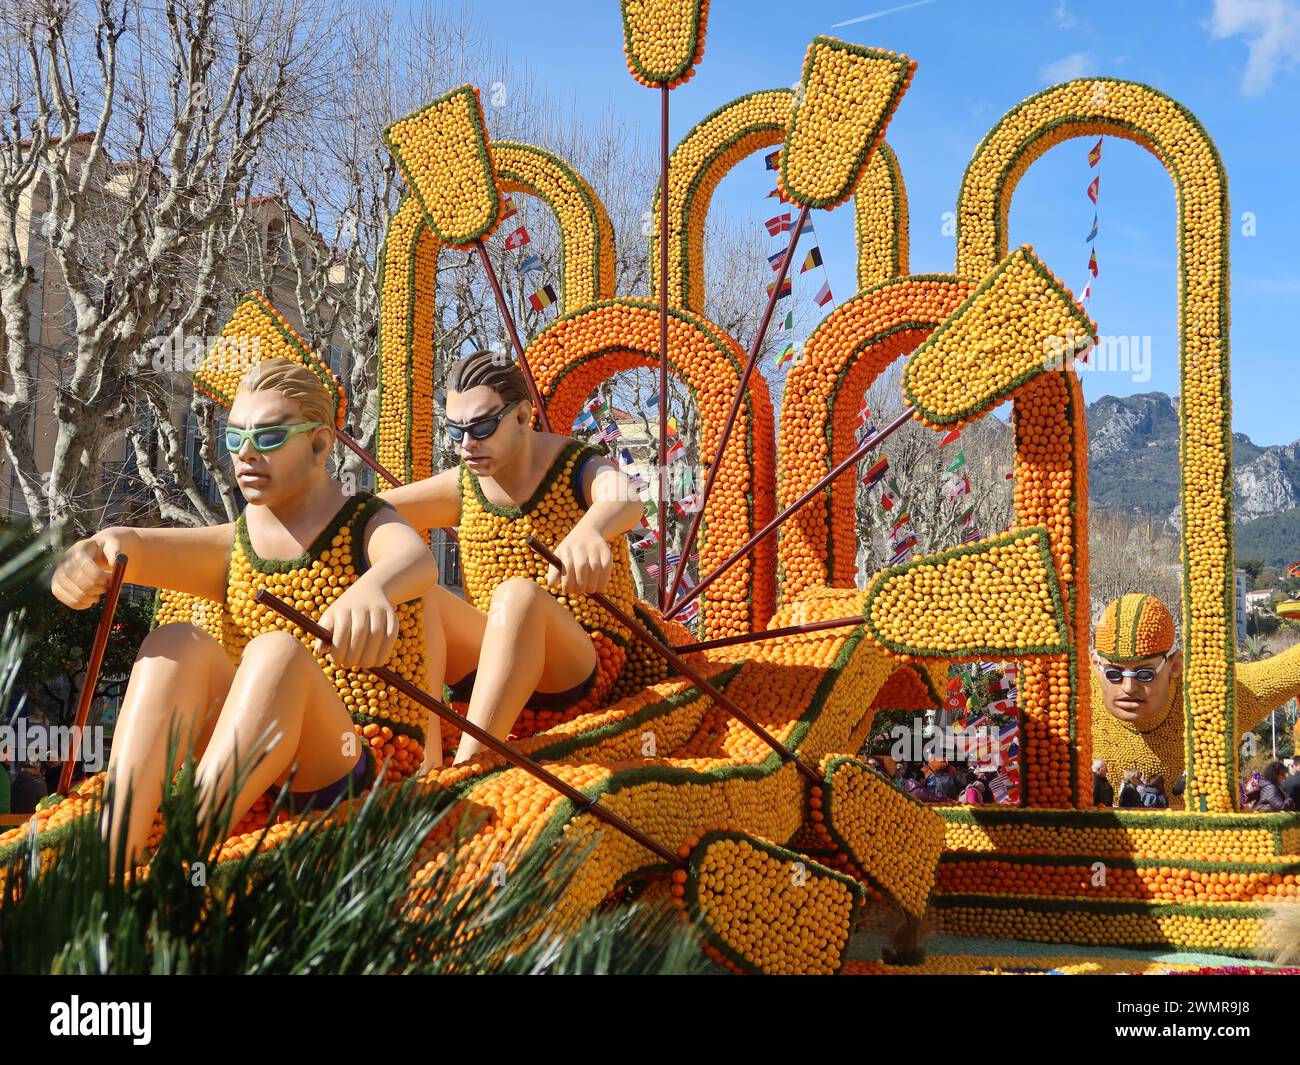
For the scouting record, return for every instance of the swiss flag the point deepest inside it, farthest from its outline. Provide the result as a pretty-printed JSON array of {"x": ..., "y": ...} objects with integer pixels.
[{"x": 518, "y": 238}]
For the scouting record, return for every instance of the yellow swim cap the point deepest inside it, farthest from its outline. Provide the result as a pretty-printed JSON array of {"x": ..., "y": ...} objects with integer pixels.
[{"x": 1134, "y": 627}]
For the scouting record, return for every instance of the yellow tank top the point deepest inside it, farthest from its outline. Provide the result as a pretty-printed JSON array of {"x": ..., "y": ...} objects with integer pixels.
[
  {"x": 493, "y": 549},
  {"x": 311, "y": 583}
]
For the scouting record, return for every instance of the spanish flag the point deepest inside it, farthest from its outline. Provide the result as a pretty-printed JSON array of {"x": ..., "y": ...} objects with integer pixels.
[
  {"x": 1092, "y": 262},
  {"x": 1094, "y": 153},
  {"x": 814, "y": 258}
]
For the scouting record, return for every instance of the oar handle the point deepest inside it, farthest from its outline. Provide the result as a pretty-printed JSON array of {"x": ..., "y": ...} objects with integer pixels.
[{"x": 93, "y": 664}]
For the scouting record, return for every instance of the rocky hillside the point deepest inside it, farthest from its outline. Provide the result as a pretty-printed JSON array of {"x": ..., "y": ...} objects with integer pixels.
[{"x": 1133, "y": 462}]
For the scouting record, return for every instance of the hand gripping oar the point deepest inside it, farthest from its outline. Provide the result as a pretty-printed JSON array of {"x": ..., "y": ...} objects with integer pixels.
[
  {"x": 584, "y": 803},
  {"x": 680, "y": 665},
  {"x": 93, "y": 664}
]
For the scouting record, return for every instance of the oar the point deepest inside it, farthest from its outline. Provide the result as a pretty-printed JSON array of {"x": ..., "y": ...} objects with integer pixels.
[
  {"x": 93, "y": 664},
  {"x": 871, "y": 442},
  {"x": 686, "y": 670},
  {"x": 584, "y": 803}
]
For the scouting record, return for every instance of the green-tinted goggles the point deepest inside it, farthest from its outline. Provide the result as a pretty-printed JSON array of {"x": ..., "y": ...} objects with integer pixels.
[{"x": 266, "y": 438}]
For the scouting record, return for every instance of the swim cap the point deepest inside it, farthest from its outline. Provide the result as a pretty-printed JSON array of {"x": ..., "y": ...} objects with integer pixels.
[{"x": 1134, "y": 627}]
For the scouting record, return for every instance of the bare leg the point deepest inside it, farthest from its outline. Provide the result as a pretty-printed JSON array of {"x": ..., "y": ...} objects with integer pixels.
[
  {"x": 285, "y": 713},
  {"x": 531, "y": 643},
  {"x": 178, "y": 682}
]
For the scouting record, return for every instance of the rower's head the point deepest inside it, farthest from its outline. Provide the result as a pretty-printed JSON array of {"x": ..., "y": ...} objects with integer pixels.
[
  {"x": 1136, "y": 635},
  {"x": 281, "y": 431},
  {"x": 489, "y": 408}
]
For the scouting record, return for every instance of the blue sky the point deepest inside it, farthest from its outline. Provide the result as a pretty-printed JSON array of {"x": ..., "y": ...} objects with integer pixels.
[{"x": 1233, "y": 63}]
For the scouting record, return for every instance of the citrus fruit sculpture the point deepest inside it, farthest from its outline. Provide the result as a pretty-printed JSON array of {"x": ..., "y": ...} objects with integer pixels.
[{"x": 775, "y": 855}]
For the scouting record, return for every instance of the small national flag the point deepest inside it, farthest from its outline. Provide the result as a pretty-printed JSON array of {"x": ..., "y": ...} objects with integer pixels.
[
  {"x": 653, "y": 402},
  {"x": 773, "y": 160},
  {"x": 779, "y": 195},
  {"x": 958, "y": 462},
  {"x": 625, "y": 457},
  {"x": 774, "y": 260},
  {"x": 672, "y": 425},
  {"x": 1093, "y": 186},
  {"x": 901, "y": 554},
  {"x": 787, "y": 323},
  {"x": 684, "y": 483},
  {"x": 676, "y": 450},
  {"x": 585, "y": 422},
  {"x": 900, "y": 521},
  {"x": 1092, "y": 263},
  {"x": 888, "y": 496},
  {"x": 543, "y": 297},
  {"x": 1094, "y": 153},
  {"x": 597, "y": 406},
  {"x": 689, "y": 504},
  {"x": 646, "y": 542},
  {"x": 691, "y": 611},
  {"x": 967, "y": 515},
  {"x": 970, "y": 535},
  {"x": 823, "y": 296},
  {"x": 779, "y": 224},
  {"x": 864, "y": 415},
  {"x": 611, "y": 431},
  {"x": 508, "y": 208},
  {"x": 812, "y": 259},
  {"x": 639, "y": 484},
  {"x": 877, "y": 472},
  {"x": 1084, "y": 297},
  {"x": 1092, "y": 233},
  {"x": 518, "y": 238},
  {"x": 533, "y": 262},
  {"x": 652, "y": 570},
  {"x": 787, "y": 287},
  {"x": 949, "y": 437},
  {"x": 787, "y": 355},
  {"x": 959, "y": 488}
]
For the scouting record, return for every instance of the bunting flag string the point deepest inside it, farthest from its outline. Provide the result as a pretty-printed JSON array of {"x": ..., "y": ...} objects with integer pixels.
[{"x": 1094, "y": 188}]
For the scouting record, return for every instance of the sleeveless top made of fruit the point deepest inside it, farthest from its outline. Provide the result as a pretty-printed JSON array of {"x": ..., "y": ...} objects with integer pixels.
[
  {"x": 493, "y": 549},
  {"x": 390, "y": 722}
]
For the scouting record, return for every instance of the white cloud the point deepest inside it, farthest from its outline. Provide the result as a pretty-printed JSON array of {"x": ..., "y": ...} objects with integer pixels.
[
  {"x": 1064, "y": 19},
  {"x": 1272, "y": 31},
  {"x": 1067, "y": 69}
]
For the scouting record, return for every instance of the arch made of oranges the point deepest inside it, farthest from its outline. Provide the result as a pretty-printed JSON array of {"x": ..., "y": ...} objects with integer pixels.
[
  {"x": 586, "y": 233},
  {"x": 1136, "y": 112},
  {"x": 408, "y": 274},
  {"x": 823, "y": 394},
  {"x": 577, "y": 351},
  {"x": 716, "y": 145}
]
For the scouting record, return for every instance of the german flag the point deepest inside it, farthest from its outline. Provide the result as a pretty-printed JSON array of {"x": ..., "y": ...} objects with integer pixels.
[
  {"x": 542, "y": 298},
  {"x": 813, "y": 259}
]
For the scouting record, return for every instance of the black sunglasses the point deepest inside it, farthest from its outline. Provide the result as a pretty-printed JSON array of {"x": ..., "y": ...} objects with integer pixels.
[{"x": 480, "y": 428}]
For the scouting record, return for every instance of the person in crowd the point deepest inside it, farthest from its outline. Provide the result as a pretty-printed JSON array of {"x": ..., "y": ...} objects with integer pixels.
[
  {"x": 1102, "y": 792},
  {"x": 1250, "y": 791},
  {"x": 977, "y": 790},
  {"x": 1128, "y": 789},
  {"x": 1291, "y": 785},
  {"x": 28, "y": 789},
  {"x": 913, "y": 782},
  {"x": 1272, "y": 800},
  {"x": 1152, "y": 791}
]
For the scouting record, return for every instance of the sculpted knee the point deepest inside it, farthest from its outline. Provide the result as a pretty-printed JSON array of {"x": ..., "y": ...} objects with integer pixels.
[
  {"x": 175, "y": 640},
  {"x": 276, "y": 650},
  {"x": 518, "y": 592}
]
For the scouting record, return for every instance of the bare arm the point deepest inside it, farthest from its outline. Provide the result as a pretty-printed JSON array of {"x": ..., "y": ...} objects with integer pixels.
[
  {"x": 193, "y": 561},
  {"x": 586, "y": 553},
  {"x": 433, "y": 503},
  {"x": 363, "y": 621}
]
